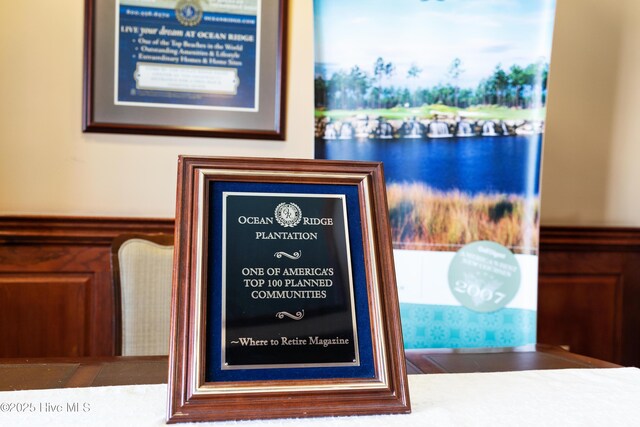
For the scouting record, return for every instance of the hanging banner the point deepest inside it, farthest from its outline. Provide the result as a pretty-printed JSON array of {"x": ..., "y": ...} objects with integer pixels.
[{"x": 451, "y": 96}]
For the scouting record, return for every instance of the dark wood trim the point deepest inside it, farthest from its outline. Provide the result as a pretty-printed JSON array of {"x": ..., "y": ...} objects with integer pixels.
[
  {"x": 588, "y": 238},
  {"x": 27, "y": 228},
  {"x": 99, "y": 231},
  {"x": 37, "y": 229},
  {"x": 280, "y": 125},
  {"x": 88, "y": 65}
]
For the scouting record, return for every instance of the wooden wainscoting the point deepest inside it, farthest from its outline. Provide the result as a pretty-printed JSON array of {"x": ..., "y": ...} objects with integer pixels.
[
  {"x": 589, "y": 291},
  {"x": 56, "y": 295}
]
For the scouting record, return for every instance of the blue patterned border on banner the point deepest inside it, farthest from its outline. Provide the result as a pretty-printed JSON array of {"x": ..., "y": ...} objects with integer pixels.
[{"x": 443, "y": 326}]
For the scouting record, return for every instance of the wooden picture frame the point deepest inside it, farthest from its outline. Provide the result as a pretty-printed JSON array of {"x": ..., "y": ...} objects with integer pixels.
[
  {"x": 198, "y": 69},
  {"x": 244, "y": 225}
]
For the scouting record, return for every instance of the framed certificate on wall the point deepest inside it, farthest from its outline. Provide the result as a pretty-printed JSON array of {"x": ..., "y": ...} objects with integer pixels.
[
  {"x": 186, "y": 67},
  {"x": 284, "y": 301}
]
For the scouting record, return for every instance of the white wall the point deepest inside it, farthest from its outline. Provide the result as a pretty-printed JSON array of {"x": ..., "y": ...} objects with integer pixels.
[
  {"x": 592, "y": 143},
  {"x": 47, "y": 166}
]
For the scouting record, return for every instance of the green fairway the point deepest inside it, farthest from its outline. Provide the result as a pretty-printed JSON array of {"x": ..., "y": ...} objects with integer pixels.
[{"x": 479, "y": 112}]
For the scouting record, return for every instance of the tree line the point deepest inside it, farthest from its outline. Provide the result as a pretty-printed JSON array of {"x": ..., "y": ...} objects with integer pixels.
[{"x": 518, "y": 86}]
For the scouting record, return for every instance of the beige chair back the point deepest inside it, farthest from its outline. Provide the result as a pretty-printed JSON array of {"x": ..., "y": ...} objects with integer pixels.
[{"x": 143, "y": 267}]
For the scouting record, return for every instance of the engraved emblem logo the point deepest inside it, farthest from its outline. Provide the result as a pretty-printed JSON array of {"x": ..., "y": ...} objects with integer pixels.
[
  {"x": 189, "y": 12},
  {"x": 288, "y": 214}
]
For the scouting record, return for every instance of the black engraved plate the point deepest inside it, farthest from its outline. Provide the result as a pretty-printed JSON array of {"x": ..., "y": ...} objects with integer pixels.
[{"x": 288, "y": 298}]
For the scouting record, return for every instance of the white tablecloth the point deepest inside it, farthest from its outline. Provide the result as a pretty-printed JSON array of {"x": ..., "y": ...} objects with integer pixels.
[{"x": 572, "y": 397}]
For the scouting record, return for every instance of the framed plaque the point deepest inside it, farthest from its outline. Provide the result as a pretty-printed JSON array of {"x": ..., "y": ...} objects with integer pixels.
[
  {"x": 284, "y": 297},
  {"x": 213, "y": 68}
]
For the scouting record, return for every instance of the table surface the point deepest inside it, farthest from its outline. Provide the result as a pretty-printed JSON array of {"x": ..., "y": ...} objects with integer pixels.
[{"x": 34, "y": 373}]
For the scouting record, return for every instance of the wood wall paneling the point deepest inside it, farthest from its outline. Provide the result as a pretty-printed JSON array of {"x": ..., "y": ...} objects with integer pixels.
[
  {"x": 56, "y": 295},
  {"x": 581, "y": 313},
  {"x": 44, "y": 314},
  {"x": 589, "y": 291}
]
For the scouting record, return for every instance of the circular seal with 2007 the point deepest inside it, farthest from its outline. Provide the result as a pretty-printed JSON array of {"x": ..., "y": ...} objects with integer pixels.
[{"x": 288, "y": 214}]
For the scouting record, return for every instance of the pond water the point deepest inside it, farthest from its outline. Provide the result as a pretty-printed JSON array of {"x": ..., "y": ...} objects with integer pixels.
[{"x": 474, "y": 165}]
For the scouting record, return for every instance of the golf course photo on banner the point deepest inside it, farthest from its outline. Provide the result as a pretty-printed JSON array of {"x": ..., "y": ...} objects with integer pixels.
[{"x": 451, "y": 96}]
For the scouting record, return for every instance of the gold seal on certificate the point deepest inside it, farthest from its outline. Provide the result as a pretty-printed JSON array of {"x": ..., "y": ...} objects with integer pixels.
[{"x": 189, "y": 12}]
